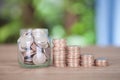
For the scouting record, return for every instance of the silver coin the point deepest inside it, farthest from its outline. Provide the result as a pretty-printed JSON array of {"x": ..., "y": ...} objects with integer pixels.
[{"x": 39, "y": 59}]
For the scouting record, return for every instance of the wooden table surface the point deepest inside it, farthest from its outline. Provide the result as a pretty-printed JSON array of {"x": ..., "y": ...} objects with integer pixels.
[{"x": 10, "y": 69}]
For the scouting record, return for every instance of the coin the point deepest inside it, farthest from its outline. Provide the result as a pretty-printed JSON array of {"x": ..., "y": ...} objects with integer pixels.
[
  {"x": 73, "y": 59},
  {"x": 59, "y": 62},
  {"x": 28, "y": 53},
  {"x": 87, "y": 56},
  {"x": 39, "y": 59},
  {"x": 33, "y": 47},
  {"x": 73, "y": 47},
  {"x": 101, "y": 62},
  {"x": 60, "y": 65},
  {"x": 28, "y": 60},
  {"x": 26, "y": 41},
  {"x": 60, "y": 45},
  {"x": 59, "y": 41},
  {"x": 73, "y": 51},
  {"x": 59, "y": 58},
  {"x": 73, "y": 65},
  {"x": 59, "y": 48},
  {"x": 47, "y": 52},
  {"x": 59, "y": 53},
  {"x": 87, "y": 62},
  {"x": 73, "y": 56},
  {"x": 41, "y": 41},
  {"x": 87, "y": 65},
  {"x": 39, "y": 32}
]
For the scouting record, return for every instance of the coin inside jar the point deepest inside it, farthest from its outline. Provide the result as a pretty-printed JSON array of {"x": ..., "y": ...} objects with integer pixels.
[{"x": 39, "y": 59}]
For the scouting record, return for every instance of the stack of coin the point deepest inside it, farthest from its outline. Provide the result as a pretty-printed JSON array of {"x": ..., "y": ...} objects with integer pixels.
[
  {"x": 101, "y": 62},
  {"x": 73, "y": 56},
  {"x": 59, "y": 52},
  {"x": 87, "y": 60}
]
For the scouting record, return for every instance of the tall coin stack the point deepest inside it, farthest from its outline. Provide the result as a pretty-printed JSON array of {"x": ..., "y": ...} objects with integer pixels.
[
  {"x": 59, "y": 52},
  {"x": 73, "y": 56},
  {"x": 87, "y": 60}
]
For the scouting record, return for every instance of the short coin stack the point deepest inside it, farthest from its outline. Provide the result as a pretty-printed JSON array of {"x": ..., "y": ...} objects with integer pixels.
[
  {"x": 87, "y": 60},
  {"x": 59, "y": 52},
  {"x": 73, "y": 56},
  {"x": 101, "y": 62}
]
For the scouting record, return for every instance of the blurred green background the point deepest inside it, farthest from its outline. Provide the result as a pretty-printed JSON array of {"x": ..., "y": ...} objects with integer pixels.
[{"x": 70, "y": 19}]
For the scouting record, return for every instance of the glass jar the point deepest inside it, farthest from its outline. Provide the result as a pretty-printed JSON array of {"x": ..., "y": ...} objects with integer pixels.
[{"x": 34, "y": 48}]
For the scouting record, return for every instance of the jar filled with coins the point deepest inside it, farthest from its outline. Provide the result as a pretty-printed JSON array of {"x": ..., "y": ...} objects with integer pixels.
[{"x": 34, "y": 48}]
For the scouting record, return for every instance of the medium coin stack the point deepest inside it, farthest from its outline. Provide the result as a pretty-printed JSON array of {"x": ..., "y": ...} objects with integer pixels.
[
  {"x": 87, "y": 60},
  {"x": 73, "y": 56},
  {"x": 59, "y": 52},
  {"x": 101, "y": 62}
]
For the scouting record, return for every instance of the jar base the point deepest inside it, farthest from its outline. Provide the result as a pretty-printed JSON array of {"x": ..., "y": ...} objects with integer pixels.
[{"x": 47, "y": 64}]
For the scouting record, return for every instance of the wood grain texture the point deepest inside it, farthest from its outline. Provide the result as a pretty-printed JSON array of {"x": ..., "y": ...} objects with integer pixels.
[{"x": 10, "y": 69}]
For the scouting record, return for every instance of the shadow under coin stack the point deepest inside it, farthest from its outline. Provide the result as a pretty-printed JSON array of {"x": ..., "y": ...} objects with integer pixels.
[
  {"x": 73, "y": 56},
  {"x": 59, "y": 53},
  {"x": 87, "y": 60}
]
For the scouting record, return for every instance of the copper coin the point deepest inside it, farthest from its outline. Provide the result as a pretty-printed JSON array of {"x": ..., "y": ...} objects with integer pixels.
[
  {"x": 59, "y": 49},
  {"x": 87, "y": 65},
  {"x": 73, "y": 47},
  {"x": 33, "y": 46},
  {"x": 59, "y": 54},
  {"x": 59, "y": 62},
  {"x": 58, "y": 59},
  {"x": 87, "y": 57},
  {"x": 60, "y": 65},
  {"x": 101, "y": 62},
  {"x": 72, "y": 60},
  {"x": 59, "y": 40},
  {"x": 60, "y": 45},
  {"x": 73, "y": 52},
  {"x": 87, "y": 62},
  {"x": 73, "y": 65},
  {"x": 74, "y": 56}
]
